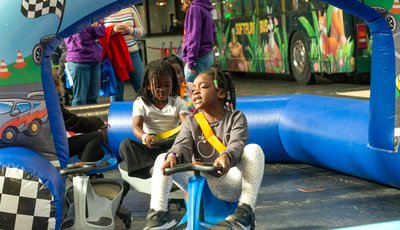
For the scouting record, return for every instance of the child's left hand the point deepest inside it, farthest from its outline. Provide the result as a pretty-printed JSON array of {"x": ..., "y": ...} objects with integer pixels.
[
  {"x": 224, "y": 161},
  {"x": 149, "y": 140}
]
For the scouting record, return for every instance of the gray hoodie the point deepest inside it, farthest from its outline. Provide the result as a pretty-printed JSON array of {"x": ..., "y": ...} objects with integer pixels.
[{"x": 231, "y": 129}]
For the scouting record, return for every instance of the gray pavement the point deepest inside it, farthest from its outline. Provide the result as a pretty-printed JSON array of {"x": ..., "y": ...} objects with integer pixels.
[
  {"x": 303, "y": 197},
  {"x": 297, "y": 196},
  {"x": 279, "y": 85}
]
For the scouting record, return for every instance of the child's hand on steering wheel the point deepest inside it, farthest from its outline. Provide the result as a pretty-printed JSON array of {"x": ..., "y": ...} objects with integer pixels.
[
  {"x": 170, "y": 162},
  {"x": 224, "y": 161}
]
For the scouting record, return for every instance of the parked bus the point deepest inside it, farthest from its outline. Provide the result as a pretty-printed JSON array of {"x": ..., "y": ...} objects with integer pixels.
[{"x": 303, "y": 38}]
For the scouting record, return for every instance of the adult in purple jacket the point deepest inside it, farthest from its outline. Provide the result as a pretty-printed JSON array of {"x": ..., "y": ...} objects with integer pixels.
[
  {"x": 83, "y": 63},
  {"x": 198, "y": 37}
]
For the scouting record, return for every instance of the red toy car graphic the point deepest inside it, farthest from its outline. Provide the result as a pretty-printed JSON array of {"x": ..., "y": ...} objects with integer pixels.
[{"x": 21, "y": 115}]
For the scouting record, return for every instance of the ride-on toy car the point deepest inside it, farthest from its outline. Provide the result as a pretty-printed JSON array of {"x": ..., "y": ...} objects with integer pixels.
[{"x": 204, "y": 210}]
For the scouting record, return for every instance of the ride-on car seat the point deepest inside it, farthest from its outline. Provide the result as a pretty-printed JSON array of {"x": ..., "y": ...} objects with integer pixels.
[
  {"x": 93, "y": 203},
  {"x": 108, "y": 188}
]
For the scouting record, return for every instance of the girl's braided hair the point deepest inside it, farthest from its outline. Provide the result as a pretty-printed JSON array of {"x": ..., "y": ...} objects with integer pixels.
[
  {"x": 223, "y": 80},
  {"x": 172, "y": 59},
  {"x": 152, "y": 72}
]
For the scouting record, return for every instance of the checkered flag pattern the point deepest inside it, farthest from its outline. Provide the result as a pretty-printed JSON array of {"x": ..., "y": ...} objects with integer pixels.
[
  {"x": 25, "y": 202},
  {"x": 37, "y": 8}
]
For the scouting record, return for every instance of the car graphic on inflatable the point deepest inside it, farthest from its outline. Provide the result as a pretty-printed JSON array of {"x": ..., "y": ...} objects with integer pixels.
[
  {"x": 21, "y": 116},
  {"x": 38, "y": 49}
]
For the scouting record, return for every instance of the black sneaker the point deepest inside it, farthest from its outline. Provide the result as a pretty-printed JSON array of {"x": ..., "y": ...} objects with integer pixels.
[
  {"x": 159, "y": 220},
  {"x": 242, "y": 218}
]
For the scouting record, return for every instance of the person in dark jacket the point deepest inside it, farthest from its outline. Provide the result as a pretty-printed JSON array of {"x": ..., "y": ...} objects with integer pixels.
[{"x": 84, "y": 133}]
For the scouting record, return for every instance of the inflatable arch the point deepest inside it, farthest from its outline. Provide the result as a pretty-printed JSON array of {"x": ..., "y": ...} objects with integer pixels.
[
  {"x": 346, "y": 135},
  {"x": 33, "y": 143}
]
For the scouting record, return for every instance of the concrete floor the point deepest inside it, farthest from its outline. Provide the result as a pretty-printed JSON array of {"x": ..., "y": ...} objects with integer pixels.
[
  {"x": 302, "y": 197},
  {"x": 297, "y": 196}
]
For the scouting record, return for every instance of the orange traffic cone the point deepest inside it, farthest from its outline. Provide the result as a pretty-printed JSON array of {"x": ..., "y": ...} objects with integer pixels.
[
  {"x": 396, "y": 7},
  {"x": 20, "y": 62},
  {"x": 3, "y": 70}
]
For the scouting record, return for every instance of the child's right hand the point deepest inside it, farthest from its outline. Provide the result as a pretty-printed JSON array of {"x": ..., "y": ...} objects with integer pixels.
[
  {"x": 225, "y": 162},
  {"x": 170, "y": 162}
]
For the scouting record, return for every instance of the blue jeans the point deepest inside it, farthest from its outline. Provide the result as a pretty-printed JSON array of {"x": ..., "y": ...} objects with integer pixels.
[
  {"x": 135, "y": 78},
  {"x": 202, "y": 63},
  {"x": 86, "y": 78}
]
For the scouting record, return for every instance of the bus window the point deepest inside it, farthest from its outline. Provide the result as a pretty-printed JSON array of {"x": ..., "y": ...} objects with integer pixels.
[
  {"x": 262, "y": 6},
  {"x": 237, "y": 6},
  {"x": 249, "y": 8},
  {"x": 227, "y": 7},
  {"x": 217, "y": 10},
  {"x": 302, "y": 5},
  {"x": 272, "y": 5},
  {"x": 232, "y": 9},
  {"x": 321, "y": 5}
]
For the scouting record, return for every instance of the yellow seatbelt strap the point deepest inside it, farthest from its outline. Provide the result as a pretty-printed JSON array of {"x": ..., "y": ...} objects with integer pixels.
[
  {"x": 208, "y": 133},
  {"x": 166, "y": 134}
]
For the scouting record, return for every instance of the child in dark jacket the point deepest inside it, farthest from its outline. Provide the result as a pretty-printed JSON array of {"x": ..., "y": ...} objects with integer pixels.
[{"x": 84, "y": 135}]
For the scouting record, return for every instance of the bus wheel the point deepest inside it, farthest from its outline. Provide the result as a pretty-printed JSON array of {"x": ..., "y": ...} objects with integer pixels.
[{"x": 299, "y": 60}]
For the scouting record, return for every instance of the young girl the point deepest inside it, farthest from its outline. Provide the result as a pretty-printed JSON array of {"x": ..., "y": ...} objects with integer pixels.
[
  {"x": 157, "y": 109},
  {"x": 243, "y": 165},
  {"x": 198, "y": 37},
  {"x": 185, "y": 90}
]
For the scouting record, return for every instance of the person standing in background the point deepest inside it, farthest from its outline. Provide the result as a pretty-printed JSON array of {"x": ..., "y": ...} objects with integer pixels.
[
  {"x": 128, "y": 22},
  {"x": 58, "y": 63},
  {"x": 83, "y": 63},
  {"x": 198, "y": 37}
]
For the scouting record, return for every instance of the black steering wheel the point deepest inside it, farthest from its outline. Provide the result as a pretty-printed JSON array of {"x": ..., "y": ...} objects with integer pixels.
[
  {"x": 197, "y": 167},
  {"x": 78, "y": 168}
]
